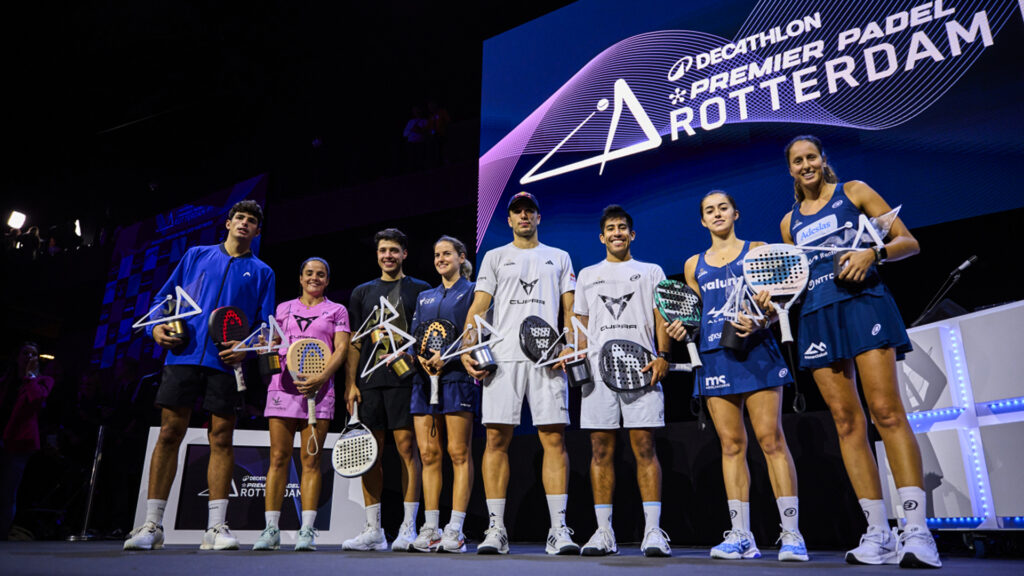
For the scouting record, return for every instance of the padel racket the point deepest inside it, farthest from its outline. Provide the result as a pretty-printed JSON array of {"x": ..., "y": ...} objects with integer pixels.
[
  {"x": 621, "y": 364},
  {"x": 434, "y": 336},
  {"x": 538, "y": 340},
  {"x": 308, "y": 356},
  {"x": 677, "y": 301},
  {"x": 228, "y": 324},
  {"x": 782, "y": 270},
  {"x": 356, "y": 451}
]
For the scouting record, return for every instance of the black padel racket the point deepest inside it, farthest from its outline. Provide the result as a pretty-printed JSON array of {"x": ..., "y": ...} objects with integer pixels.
[
  {"x": 434, "y": 336},
  {"x": 782, "y": 270},
  {"x": 677, "y": 301},
  {"x": 228, "y": 324},
  {"x": 538, "y": 339},
  {"x": 621, "y": 364},
  {"x": 356, "y": 451}
]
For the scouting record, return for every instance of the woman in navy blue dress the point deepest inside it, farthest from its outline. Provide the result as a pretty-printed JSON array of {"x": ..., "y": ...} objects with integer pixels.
[
  {"x": 732, "y": 380},
  {"x": 849, "y": 324}
]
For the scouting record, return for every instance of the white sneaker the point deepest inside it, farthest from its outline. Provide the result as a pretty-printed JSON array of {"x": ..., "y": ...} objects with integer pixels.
[
  {"x": 495, "y": 541},
  {"x": 452, "y": 541},
  {"x": 792, "y": 547},
  {"x": 219, "y": 538},
  {"x": 917, "y": 549},
  {"x": 602, "y": 543},
  {"x": 270, "y": 539},
  {"x": 369, "y": 540},
  {"x": 149, "y": 536},
  {"x": 560, "y": 542},
  {"x": 428, "y": 540},
  {"x": 306, "y": 539},
  {"x": 877, "y": 546},
  {"x": 406, "y": 536},
  {"x": 655, "y": 544},
  {"x": 737, "y": 544}
]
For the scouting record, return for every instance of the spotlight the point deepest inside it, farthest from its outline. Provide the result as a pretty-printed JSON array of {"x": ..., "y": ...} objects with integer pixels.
[
  {"x": 17, "y": 219},
  {"x": 78, "y": 228}
]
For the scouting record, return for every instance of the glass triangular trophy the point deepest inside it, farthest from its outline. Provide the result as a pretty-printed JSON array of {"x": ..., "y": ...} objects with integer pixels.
[
  {"x": 172, "y": 311},
  {"x": 740, "y": 300},
  {"x": 472, "y": 341},
  {"x": 262, "y": 342},
  {"x": 383, "y": 334}
]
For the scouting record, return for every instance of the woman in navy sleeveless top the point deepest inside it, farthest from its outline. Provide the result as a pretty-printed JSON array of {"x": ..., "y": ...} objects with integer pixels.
[
  {"x": 850, "y": 323},
  {"x": 731, "y": 379}
]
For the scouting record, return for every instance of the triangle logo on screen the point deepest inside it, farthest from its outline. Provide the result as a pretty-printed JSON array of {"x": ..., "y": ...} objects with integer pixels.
[
  {"x": 624, "y": 96},
  {"x": 233, "y": 494}
]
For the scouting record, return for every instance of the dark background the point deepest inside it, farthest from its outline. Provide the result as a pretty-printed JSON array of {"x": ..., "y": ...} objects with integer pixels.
[{"x": 116, "y": 113}]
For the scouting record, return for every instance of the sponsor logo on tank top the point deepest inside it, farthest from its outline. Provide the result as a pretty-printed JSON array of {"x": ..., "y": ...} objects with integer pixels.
[
  {"x": 816, "y": 350},
  {"x": 719, "y": 284},
  {"x": 817, "y": 229},
  {"x": 820, "y": 280},
  {"x": 837, "y": 204}
]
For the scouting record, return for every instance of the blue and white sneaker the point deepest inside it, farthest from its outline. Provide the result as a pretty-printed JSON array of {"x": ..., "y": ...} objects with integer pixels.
[
  {"x": 792, "y": 548},
  {"x": 737, "y": 544},
  {"x": 270, "y": 539},
  {"x": 306, "y": 540}
]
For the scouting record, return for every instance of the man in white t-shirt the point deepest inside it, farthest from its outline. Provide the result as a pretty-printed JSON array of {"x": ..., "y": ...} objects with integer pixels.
[
  {"x": 523, "y": 278},
  {"x": 615, "y": 300}
]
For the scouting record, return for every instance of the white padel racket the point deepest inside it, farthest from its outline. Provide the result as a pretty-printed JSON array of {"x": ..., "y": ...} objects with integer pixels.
[
  {"x": 356, "y": 451},
  {"x": 782, "y": 270}
]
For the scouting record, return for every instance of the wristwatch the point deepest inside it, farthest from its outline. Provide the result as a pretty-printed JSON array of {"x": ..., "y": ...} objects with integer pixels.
[
  {"x": 881, "y": 254},
  {"x": 663, "y": 355}
]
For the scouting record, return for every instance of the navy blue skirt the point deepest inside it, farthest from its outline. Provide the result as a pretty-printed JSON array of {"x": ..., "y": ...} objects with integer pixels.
[{"x": 844, "y": 329}]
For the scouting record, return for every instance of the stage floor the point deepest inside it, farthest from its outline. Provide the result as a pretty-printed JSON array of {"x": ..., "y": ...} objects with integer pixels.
[{"x": 107, "y": 559}]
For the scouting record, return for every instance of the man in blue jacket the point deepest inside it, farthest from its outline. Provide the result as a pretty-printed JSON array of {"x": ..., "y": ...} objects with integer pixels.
[{"x": 226, "y": 274}]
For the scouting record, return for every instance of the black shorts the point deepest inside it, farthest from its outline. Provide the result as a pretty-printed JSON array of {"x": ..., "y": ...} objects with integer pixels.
[
  {"x": 182, "y": 384},
  {"x": 386, "y": 408}
]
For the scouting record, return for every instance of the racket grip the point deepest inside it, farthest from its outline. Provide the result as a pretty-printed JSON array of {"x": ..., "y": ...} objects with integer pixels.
[
  {"x": 311, "y": 409},
  {"x": 239, "y": 378},
  {"x": 691, "y": 347},
  {"x": 433, "y": 389},
  {"x": 787, "y": 333}
]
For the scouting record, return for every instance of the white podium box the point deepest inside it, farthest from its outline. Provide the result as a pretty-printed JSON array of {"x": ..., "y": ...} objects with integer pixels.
[
  {"x": 963, "y": 390},
  {"x": 340, "y": 507}
]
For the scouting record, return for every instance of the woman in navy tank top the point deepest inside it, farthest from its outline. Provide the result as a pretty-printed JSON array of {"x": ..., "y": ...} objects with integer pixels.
[
  {"x": 849, "y": 323},
  {"x": 733, "y": 379}
]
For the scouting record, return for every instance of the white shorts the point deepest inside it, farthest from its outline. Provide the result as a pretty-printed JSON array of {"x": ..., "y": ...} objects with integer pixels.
[
  {"x": 602, "y": 408},
  {"x": 503, "y": 393}
]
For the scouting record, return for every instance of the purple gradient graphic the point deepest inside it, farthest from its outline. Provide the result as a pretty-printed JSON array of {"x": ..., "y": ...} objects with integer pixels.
[{"x": 928, "y": 63}]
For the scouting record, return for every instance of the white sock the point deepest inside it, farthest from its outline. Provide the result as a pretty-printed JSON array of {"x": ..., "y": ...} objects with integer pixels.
[
  {"x": 411, "y": 510},
  {"x": 652, "y": 516},
  {"x": 308, "y": 518},
  {"x": 218, "y": 512},
  {"x": 496, "y": 510},
  {"x": 789, "y": 512},
  {"x": 913, "y": 500},
  {"x": 373, "y": 516},
  {"x": 874, "y": 513},
  {"x": 457, "y": 520},
  {"x": 556, "y": 508},
  {"x": 736, "y": 514},
  {"x": 432, "y": 518},
  {"x": 604, "y": 515},
  {"x": 155, "y": 511},
  {"x": 746, "y": 516},
  {"x": 273, "y": 517}
]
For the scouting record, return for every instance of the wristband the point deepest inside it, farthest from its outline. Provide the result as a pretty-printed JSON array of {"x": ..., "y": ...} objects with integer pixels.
[{"x": 662, "y": 355}]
